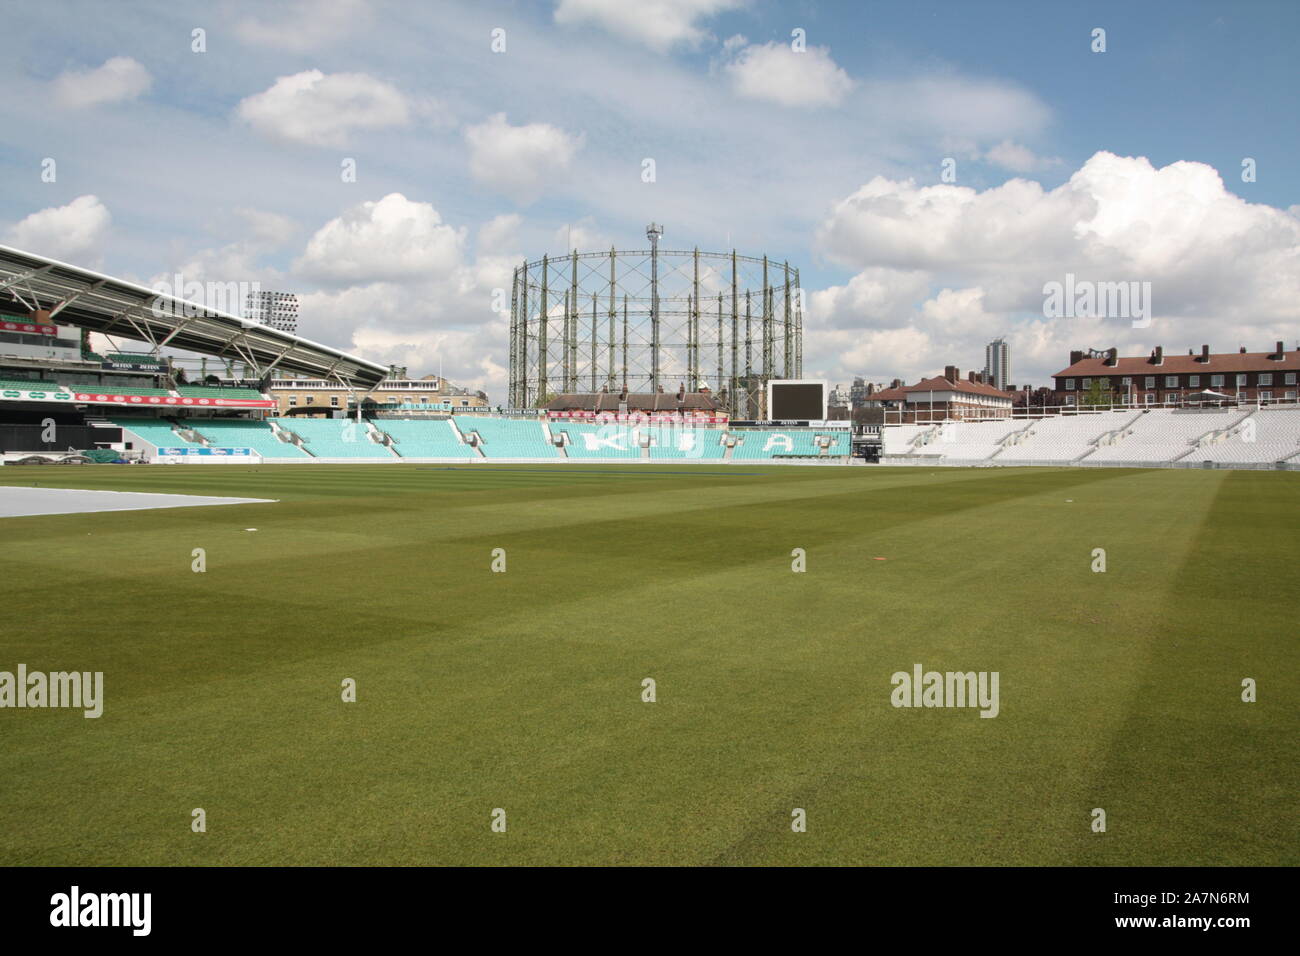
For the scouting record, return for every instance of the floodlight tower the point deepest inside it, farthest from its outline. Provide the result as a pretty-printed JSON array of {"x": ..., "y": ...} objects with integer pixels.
[{"x": 653, "y": 232}]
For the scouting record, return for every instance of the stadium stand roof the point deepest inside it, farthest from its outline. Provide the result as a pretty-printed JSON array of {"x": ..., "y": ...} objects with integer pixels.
[{"x": 100, "y": 303}]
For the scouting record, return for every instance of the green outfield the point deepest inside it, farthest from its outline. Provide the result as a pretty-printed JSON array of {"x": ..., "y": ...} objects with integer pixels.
[{"x": 522, "y": 690}]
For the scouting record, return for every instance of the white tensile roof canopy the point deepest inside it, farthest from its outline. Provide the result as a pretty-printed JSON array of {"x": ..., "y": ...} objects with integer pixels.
[{"x": 100, "y": 303}]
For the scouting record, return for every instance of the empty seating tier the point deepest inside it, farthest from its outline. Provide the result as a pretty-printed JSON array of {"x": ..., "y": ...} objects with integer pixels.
[
  {"x": 1064, "y": 438},
  {"x": 156, "y": 431},
  {"x": 214, "y": 391},
  {"x": 1164, "y": 435},
  {"x": 1269, "y": 435},
  {"x": 683, "y": 442},
  {"x": 599, "y": 441},
  {"x": 759, "y": 444},
  {"x": 240, "y": 433},
  {"x": 334, "y": 437},
  {"x": 508, "y": 437},
  {"x": 421, "y": 438}
]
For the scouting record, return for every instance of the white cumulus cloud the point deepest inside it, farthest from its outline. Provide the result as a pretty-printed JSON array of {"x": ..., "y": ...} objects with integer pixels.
[
  {"x": 960, "y": 266},
  {"x": 1019, "y": 159},
  {"x": 778, "y": 74},
  {"x": 657, "y": 24},
  {"x": 305, "y": 25},
  {"x": 321, "y": 109},
  {"x": 392, "y": 239},
  {"x": 117, "y": 80},
  {"x": 73, "y": 233},
  {"x": 519, "y": 161}
]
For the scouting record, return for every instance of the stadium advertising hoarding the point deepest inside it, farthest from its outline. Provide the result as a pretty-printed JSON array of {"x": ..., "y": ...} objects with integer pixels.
[
  {"x": 791, "y": 423},
  {"x": 205, "y": 452},
  {"x": 660, "y": 417},
  {"x": 36, "y": 395},
  {"x": 28, "y": 328},
  {"x": 131, "y": 366},
  {"x": 108, "y": 398}
]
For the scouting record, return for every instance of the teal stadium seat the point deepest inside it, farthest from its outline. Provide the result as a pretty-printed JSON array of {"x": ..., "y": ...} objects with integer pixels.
[
  {"x": 214, "y": 391},
  {"x": 508, "y": 437},
  {"x": 243, "y": 433},
  {"x": 765, "y": 444},
  {"x": 135, "y": 358},
  {"x": 156, "y": 432},
  {"x": 425, "y": 438},
  {"x": 599, "y": 442},
  {"x": 685, "y": 443},
  {"x": 334, "y": 437}
]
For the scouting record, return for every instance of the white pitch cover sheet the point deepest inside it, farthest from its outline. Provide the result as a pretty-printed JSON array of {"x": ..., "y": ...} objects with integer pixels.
[{"x": 18, "y": 502}]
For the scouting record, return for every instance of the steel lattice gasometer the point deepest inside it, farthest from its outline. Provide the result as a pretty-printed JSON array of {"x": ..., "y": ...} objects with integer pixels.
[{"x": 652, "y": 318}]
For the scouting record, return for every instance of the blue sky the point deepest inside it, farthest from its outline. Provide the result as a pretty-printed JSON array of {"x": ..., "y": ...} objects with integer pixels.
[{"x": 1122, "y": 165}]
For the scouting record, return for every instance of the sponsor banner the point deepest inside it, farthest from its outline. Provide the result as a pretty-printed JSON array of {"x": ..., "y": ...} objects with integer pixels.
[
  {"x": 132, "y": 366},
  {"x": 652, "y": 417},
  {"x": 779, "y": 423},
  {"x": 205, "y": 452},
  {"x": 36, "y": 395},
  {"x": 29, "y": 328},
  {"x": 108, "y": 398}
]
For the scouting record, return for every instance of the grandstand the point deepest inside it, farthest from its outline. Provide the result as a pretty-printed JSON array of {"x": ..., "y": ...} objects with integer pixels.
[
  {"x": 506, "y": 437},
  {"x": 599, "y": 442},
  {"x": 753, "y": 444},
  {"x": 334, "y": 437},
  {"x": 1267, "y": 435},
  {"x": 1159, "y": 437},
  {"x": 971, "y": 441},
  {"x": 421, "y": 438},
  {"x": 241, "y": 433},
  {"x": 1163, "y": 435},
  {"x": 157, "y": 432},
  {"x": 218, "y": 391},
  {"x": 669, "y": 442},
  {"x": 1062, "y": 439}
]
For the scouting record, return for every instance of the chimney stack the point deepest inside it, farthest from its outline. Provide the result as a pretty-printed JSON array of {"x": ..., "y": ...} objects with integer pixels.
[
  {"x": 1281, "y": 353},
  {"x": 951, "y": 373},
  {"x": 1076, "y": 356},
  {"x": 1205, "y": 354},
  {"x": 1112, "y": 356}
]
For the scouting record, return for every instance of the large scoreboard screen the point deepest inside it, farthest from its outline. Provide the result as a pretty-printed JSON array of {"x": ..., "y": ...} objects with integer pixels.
[{"x": 796, "y": 401}]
